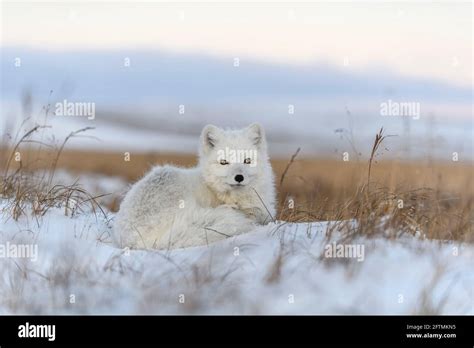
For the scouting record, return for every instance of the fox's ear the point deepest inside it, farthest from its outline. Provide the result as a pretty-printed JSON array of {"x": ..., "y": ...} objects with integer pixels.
[
  {"x": 256, "y": 133},
  {"x": 209, "y": 137}
]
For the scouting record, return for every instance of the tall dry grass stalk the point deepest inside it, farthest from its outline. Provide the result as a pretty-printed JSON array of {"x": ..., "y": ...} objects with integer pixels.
[
  {"x": 374, "y": 209},
  {"x": 26, "y": 191}
]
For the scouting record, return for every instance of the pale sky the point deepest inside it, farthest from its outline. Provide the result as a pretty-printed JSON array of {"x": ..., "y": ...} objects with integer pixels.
[{"x": 422, "y": 39}]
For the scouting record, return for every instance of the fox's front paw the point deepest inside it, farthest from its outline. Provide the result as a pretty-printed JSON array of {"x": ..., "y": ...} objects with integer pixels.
[
  {"x": 230, "y": 206},
  {"x": 257, "y": 214}
]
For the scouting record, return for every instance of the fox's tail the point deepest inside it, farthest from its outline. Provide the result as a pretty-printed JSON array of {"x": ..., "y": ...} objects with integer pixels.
[
  {"x": 203, "y": 226},
  {"x": 190, "y": 227}
]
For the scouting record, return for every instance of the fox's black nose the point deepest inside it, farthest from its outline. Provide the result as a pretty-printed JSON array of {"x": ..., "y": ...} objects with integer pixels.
[{"x": 239, "y": 178}]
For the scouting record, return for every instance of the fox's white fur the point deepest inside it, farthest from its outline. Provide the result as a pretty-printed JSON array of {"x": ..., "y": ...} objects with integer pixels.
[{"x": 179, "y": 207}]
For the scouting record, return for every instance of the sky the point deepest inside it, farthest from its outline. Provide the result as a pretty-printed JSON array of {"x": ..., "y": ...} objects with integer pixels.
[
  {"x": 418, "y": 39},
  {"x": 330, "y": 61}
]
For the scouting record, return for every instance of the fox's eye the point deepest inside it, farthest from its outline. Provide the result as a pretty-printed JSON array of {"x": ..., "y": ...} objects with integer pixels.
[
  {"x": 224, "y": 162},
  {"x": 248, "y": 161}
]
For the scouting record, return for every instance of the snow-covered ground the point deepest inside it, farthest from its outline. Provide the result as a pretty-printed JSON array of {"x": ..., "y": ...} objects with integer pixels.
[{"x": 281, "y": 268}]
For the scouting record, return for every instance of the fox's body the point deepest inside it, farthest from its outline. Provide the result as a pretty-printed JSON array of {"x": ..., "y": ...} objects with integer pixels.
[{"x": 228, "y": 193}]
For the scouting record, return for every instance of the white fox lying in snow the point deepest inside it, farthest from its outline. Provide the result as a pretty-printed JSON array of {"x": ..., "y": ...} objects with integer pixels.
[{"x": 228, "y": 193}]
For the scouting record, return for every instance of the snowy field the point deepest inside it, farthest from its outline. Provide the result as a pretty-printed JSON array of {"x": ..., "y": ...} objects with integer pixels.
[{"x": 71, "y": 267}]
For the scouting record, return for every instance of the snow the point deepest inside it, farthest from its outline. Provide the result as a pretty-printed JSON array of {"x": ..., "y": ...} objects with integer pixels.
[{"x": 240, "y": 275}]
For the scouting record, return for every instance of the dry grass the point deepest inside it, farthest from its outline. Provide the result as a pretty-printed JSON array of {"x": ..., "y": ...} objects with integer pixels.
[{"x": 28, "y": 191}]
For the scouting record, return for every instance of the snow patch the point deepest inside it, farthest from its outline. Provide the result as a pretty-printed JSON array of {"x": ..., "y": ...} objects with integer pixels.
[{"x": 280, "y": 268}]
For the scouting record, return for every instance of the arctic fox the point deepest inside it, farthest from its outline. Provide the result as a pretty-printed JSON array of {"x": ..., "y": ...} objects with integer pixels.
[{"x": 229, "y": 192}]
